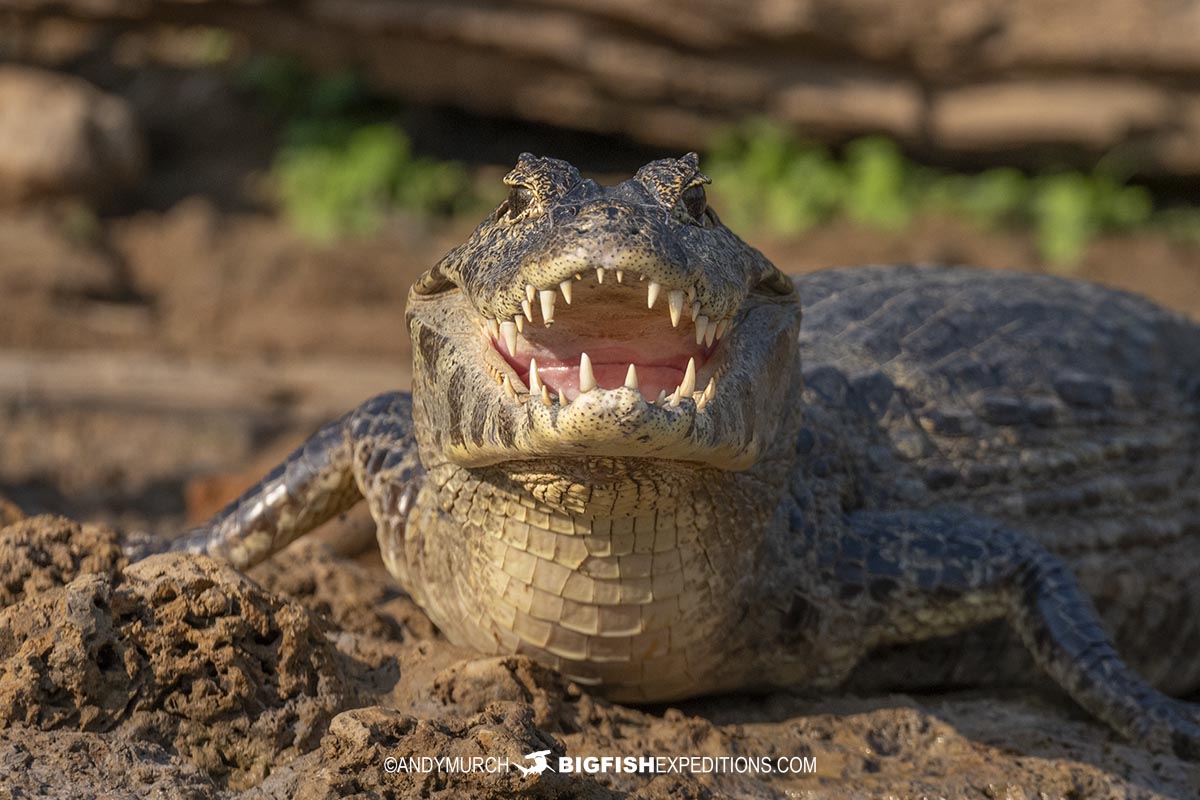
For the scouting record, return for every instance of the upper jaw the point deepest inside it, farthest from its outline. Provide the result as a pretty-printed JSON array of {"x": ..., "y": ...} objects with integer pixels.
[{"x": 682, "y": 299}]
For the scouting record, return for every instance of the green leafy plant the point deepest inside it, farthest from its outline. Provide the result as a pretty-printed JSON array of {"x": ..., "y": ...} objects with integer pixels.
[
  {"x": 349, "y": 184},
  {"x": 344, "y": 165},
  {"x": 776, "y": 181},
  {"x": 879, "y": 185}
]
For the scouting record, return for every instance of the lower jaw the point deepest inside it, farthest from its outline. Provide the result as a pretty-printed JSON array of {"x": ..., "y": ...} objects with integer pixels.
[
  {"x": 605, "y": 486},
  {"x": 560, "y": 384},
  {"x": 652, "y": 381}
]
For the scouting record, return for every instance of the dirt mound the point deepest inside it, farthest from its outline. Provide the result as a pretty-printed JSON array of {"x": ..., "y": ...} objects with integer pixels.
[
  {"x": 39, "y": 553},
  {"x": 177, "y": 676},
  {"x": 177, "y": 650}
]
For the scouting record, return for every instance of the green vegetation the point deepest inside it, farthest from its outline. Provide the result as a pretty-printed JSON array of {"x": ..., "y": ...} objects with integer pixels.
[
  {"x": 344, "y": 164},
  {"x": 334, "y": 181},
  {"x": 774, "y": 181}
]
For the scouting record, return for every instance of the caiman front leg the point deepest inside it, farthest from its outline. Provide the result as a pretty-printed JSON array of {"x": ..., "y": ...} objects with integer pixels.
[
  {"x": 370, "y": 451},
  {"x": 913, "y": 576}
]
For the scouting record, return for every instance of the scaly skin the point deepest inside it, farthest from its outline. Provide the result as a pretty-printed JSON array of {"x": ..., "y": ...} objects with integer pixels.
[{"x": 949, "y": 432}]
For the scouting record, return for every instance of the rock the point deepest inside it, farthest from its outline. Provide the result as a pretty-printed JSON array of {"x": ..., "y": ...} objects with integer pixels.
[
  {"x": 61, "y": 137},
  {"x": 970, "y": 79}
]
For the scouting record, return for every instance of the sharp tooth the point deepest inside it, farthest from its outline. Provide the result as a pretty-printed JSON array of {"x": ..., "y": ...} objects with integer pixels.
[
  {"x": 710, "y": 334},
  {"x": 565, "y": 286},
  {"x": 530, "y": 293},
  {"x": 662, "y": 395},
  {"x": 520, "y": 322},
  {"x": 508, "y": 329},
  {"x": 689, "y": 379},
  {"x": 691, "y": 294},
  {"x": 587, "y": 379},
  {"x": 547, "y": 298},
  {"x": 695, "y": 310},
  {"x": 546, "y": 401},
  {"x": 578, "y": 276},
  {"x": 599, "y": 274},
  {"x": 620, "y": 275},
  {"x": 652, "y": 294},
  {"x": 562, "y": 398},
  {"x": 508, "y": 387},
  {"x": 675, "y": 301},
  {"x": 631, "y": 378},
  {"x": 711, "y": 389},
  {"x": 641, "y": 277},
  {"x": 701, "y": 327},
  {"x": 493, "y": 328},
  {"x": 535, "y": 381},
  {"x": 701, "y": 403},
  {"x": 527, "y": 309},
  {"x": 721, "y": 326}
]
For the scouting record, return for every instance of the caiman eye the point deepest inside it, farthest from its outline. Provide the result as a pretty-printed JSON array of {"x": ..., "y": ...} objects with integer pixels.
[
  {"x": 694, "y": 202},
  {"x": 518, "y": 201}
]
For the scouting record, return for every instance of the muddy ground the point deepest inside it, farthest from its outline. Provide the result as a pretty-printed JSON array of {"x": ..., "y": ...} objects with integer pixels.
[
  {"x": 155, "y": 363},
  {"x": 179, "y": 677}
]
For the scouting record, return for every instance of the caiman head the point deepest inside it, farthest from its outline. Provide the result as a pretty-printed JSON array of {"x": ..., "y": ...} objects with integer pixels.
[{"x": 613, "y": 322}]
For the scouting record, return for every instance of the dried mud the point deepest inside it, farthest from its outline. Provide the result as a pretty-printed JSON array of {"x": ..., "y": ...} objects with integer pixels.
[{"x": 177, "y": 676}]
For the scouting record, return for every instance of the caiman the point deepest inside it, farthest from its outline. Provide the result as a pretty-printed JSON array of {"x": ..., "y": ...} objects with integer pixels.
[{"x": 626, "y": 456}]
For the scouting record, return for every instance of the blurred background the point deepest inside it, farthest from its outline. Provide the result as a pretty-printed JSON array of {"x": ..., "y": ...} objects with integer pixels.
[{"x": 211, "y": 211}]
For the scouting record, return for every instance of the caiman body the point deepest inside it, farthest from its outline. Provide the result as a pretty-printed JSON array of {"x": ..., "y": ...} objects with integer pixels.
[{"x": 759, "y": 502}]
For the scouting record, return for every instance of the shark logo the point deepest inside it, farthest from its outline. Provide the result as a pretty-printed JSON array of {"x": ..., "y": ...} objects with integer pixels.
[{"x": 540, "y": 764}]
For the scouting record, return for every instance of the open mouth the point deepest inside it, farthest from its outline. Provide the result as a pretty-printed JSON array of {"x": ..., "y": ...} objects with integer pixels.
[{"x": 603, "y": 330}]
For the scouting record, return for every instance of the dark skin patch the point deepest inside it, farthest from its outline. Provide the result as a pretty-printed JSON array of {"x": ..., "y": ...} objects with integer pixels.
[
  {"x": 429, "y": 345},
  {"x": 505, "y": 430},
  {"x": 456, "y": 388},
  {"x": 801, "y": 616},
  {"x": 479, "y": 420}
]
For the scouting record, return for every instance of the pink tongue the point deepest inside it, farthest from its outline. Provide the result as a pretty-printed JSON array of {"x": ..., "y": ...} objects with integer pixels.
[{"x": 651, "y": 380}]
